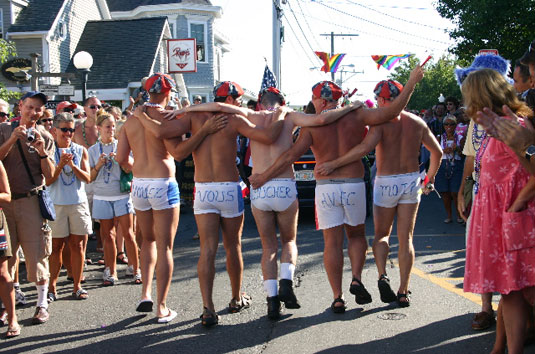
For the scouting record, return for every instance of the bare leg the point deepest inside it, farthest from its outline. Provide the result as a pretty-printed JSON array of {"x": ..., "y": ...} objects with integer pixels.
[
  {"x": 76, "y": 243},
  {"x": 446, "y": 199},
  {"x": 232, "y": 229},
  {"x": 66, "y": 260},
  {"x": 486, "y": 302},
  {"x": 406, "y": 219},
  {"x": 125, "y": 225},
  {"x": 119, "y": 237},
  {"x": 208, "y": 227},
  {"x": 265, "y": 222},
  {"x": 382, "y": 220},
  {"x": 7, "y": 294},
  {"x": 501, "y": 341},
  {"x": 333, "y": 258},
  {"x": 454, "y": 198},
  {"x": 55, "y": 261},
  {"x": 356, "y": 248},
  {"x": 287, "y": 221},
  {"x": 165, "y": 228},
  {"x": 108, "y": 241},
  {"x": 148, "y": 251},
  {"x": 515, "y": 314}
]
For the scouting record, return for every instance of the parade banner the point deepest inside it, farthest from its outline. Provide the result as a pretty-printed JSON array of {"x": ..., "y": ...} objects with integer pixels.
[
  {"x": 330, "y": 63},
  {"x": 388, "y": 61},
  {"x": 182, "y": 54}
]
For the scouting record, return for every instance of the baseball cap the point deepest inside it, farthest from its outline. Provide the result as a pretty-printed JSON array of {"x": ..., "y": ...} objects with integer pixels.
[
  {"x": 274, "y": 90},
  {"x": 388, "y": 89},
  {"x": 327, "y": 90},
  {"x": 227, "y": 88},
  {"x": 160, "y": 83},
  {"x": 65, "y": 104},
  {"x": 31, "y": 94},
  {"x": 529, "y": 55}
]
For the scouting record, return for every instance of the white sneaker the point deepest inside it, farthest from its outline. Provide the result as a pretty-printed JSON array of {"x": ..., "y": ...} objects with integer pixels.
[
  {"x": 20, "y": 253},
  {"x": 20, "y": 298},
  {"x": 106, "y": 274},
  {"x": 130, "y": 271}
]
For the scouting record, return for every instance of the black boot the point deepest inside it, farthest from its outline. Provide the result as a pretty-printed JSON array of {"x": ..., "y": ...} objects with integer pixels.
[
  {"x": 274, "y": 307},
  {"x": 286, "y": 294}
]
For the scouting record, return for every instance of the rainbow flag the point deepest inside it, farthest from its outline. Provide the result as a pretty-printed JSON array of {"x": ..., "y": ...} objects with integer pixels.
[
  {"x": 330, "y": 64},
  {"x": 388, "y": 61}
]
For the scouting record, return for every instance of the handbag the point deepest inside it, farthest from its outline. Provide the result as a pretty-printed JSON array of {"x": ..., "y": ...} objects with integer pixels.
[
  {"x": 125, "y": 181},
  {"x": 43, "y": 195}
]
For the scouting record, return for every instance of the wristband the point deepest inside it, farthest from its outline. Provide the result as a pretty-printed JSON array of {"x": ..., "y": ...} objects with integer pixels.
[{"x": 43, "y": 157}]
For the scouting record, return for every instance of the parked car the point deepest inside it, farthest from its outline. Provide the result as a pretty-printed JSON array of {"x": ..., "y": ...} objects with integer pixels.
[{"x": 304, "y": 179}]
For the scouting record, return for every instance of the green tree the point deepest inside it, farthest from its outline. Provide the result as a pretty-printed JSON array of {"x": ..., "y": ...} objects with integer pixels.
[
  {"x": 7, "y": 51},
  {"x": 439, "y": 79},
  {"x": 497, "y": 24}
]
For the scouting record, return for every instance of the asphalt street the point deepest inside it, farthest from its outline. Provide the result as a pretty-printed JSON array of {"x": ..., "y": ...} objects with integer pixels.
[{"x": 438, "y": 321}]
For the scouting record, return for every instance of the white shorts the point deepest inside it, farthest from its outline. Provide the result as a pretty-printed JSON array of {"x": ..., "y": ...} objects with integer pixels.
[
  {"x": 389, "y": 191},
  {"x": 276, "y": 195},
  {"x": 340, "y": 201},
  {"x": 155, "y": 193},
  {"x": 223, "y": 198}
]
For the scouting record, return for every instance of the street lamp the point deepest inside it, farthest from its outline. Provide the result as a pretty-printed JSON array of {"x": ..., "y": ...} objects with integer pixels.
[{"x": 83, "y": 62}]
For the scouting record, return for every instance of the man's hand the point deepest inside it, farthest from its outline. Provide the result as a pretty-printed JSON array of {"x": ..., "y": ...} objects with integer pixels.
[
  {"x": 19, "y": 133},
  {"x": 417, "y": 74},
  {"x": 510, "y": 132},
  {"x": 174, "y": 114},
  {"x": 257, "y": 180},
  {"x": 216, "y": 123},
  {"x": 38, "y": 143},
  {"x": 139, "y": 111},
  {"x": 325, "y": 168},
  {"x": 460, "y": 205}
]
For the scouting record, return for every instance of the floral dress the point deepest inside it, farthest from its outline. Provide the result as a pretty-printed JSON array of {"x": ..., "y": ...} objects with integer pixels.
[{"x": 500, "y": 253}]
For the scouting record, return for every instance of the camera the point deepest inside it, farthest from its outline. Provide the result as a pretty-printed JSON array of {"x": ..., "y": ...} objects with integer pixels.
[{"x": 30, "y": 134}]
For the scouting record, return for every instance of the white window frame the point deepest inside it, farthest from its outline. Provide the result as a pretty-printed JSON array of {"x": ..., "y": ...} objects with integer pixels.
[{"x": 205, "y": 25}]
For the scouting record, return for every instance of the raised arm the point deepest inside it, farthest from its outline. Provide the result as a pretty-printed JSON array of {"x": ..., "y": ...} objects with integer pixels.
[
  {"x": 384, "y": 114},
  {"x": 265, "y": 135},
  {"x": 355, "y": 154},
  {"x": 432, "y": 145},
  {"x": 122, "y": 156},
  {"x": 165, "y": 129},
  {"x": 5, "y": 191},
  {"x": 312, "y": 120},
  {"x": 285, "y": 159},
  {"x": 181, "y": 149},
  {"x": 210, "y": 107}
]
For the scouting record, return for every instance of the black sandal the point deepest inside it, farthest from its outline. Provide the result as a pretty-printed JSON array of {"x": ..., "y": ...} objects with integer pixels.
[
  {"x": 387, "y": 295},
  {"x": 209, "y": 318},
  {"x": 362, "y": 296},
  {"x": 121, "y": 258},
  {"x": 407, "y": 297},
  {"x": 338, "y": 309}
]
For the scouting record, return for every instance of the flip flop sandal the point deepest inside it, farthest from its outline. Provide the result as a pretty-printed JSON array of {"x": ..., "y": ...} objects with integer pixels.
[
  {"x": 121, "y": 258},
  {"x": 209, "y": 318},
  {"x": 81, "y": 294},
  {"x": 407, "y": 297},
  {"x": 338, "y": 309},
  {"x": 145, "y": 306},
  {"x": 13, "y": 331},
  {"x": 362, "y": 296},
  {"x": 3, "y": 318},
  {"x": 166, "y": 319},
  {"x": 109, "y": 281},
  {"x": 137, "y": 279},
  {"x": 236, "y": 306}
]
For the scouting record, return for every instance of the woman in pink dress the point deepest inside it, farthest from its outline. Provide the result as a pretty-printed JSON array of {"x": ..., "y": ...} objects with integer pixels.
[{"x": 500, "y": 254}]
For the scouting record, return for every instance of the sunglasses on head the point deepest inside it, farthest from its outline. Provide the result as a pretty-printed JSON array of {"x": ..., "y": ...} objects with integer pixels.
[
  {"x": 93, "y": 106},
  {"x": 45, "y": 120},
  {"x": 65, "y": 130},
  {"x": 68, "y": 110},
  {"x": 2, "y": 114}
]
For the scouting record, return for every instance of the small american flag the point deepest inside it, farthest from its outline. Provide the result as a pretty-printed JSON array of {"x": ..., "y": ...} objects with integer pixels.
[{"x": 268, "y": 80}]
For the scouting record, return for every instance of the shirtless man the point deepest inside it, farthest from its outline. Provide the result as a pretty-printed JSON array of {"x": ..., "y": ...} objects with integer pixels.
[
  {"x": 340, "y": 199},
  {"x": 155, "y": 194},
  {"x": 275, "y": 204},
  {"x": 218, "y": 197},
  {"x": 397, "y": 185}
]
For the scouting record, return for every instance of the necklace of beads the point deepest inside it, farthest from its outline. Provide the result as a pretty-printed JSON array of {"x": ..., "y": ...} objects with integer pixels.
[
  {"x": 477, "y": 165},
  {"x": 329, "y": 109},
  {"x": 67, "y": 170},
  {"x": 108, "y": 166},
  {"x": 157, "y": 105},
  {"x": 477, "y": 137}
]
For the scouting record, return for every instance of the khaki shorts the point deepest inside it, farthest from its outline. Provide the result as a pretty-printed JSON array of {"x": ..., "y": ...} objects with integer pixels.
[
  {"x": 25, "y": 225},
  {"x": 71, "y": 220},
  {"x": 4, "y": 230}
]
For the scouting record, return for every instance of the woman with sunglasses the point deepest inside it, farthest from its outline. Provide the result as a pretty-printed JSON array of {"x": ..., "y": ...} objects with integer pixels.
[
  {"x": 48, "y": 120},
  {"x": 111, "y": 205},
  {"x": 450, "y": 173},
  {"x": 73, "y": 221}
]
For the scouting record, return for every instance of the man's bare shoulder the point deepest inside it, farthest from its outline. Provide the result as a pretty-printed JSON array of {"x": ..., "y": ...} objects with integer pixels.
[{"x": 412, "y": 118}]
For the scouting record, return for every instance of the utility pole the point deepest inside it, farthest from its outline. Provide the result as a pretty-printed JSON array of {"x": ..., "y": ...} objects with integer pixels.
[
  {"x": 332, "y": 34},
  {"x": 277, "y": 14}
]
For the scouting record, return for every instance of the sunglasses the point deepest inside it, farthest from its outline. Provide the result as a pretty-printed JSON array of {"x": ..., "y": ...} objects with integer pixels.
[
  {"x": 65, "y": 130},
  {"x": 68, "y": 110},
  {"x": 46, "y": 120},
  {"x": 3, "y": 115},
  {"x": 449, "y": 124},
  {"x": 95, "y": 106}
]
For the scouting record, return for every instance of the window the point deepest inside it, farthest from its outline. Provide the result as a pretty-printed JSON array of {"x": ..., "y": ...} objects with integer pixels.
[
  {"x": 171, "y": 29},
  {"x": 197, "y": 31}
]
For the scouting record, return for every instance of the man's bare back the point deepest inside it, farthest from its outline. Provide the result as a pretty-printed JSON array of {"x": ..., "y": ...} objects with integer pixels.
[{"x": 399, "y": 145}]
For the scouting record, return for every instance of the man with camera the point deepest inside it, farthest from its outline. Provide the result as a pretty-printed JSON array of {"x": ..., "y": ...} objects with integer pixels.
[{"x": 27, "y": 148}]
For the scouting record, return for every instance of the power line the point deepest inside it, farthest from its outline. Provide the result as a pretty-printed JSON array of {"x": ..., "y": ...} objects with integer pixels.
[
  {"x": 299, "y": 25},
  {"x": 378, "y": 24},
  {"x": 308, "y": 25},
  {"x": 298, "y": 41}
]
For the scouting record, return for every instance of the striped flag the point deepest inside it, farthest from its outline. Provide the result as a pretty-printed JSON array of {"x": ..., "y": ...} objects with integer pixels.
[
  {"x": 268, "y": 80},
  {"x": 388, "y": 61},
  {"x": 330, "y": 63}
]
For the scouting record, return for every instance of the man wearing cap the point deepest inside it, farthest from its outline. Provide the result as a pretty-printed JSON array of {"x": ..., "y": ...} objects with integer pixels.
[
  {"x": 66, "y": 106},
  {"x": 275, "y": 204},
  {"x": 23, "y": 213},
  {"x": 218, "y": 196},
  {"x": 340, "y": 198},
  {"x": 155, "y": 192},
  {"x": 397, "y": 185}
]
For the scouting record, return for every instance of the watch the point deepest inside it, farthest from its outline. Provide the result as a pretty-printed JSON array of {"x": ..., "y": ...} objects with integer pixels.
[
  {"x": 43, "y": 157},
  {"x": 530, "y": 151}
]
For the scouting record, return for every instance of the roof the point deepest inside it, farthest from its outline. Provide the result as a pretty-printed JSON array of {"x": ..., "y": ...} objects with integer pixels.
[
  {"x": 129, "y": 5},
  {"x": 123, "y": 50},
  {"x": 37, "y": 16}
]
